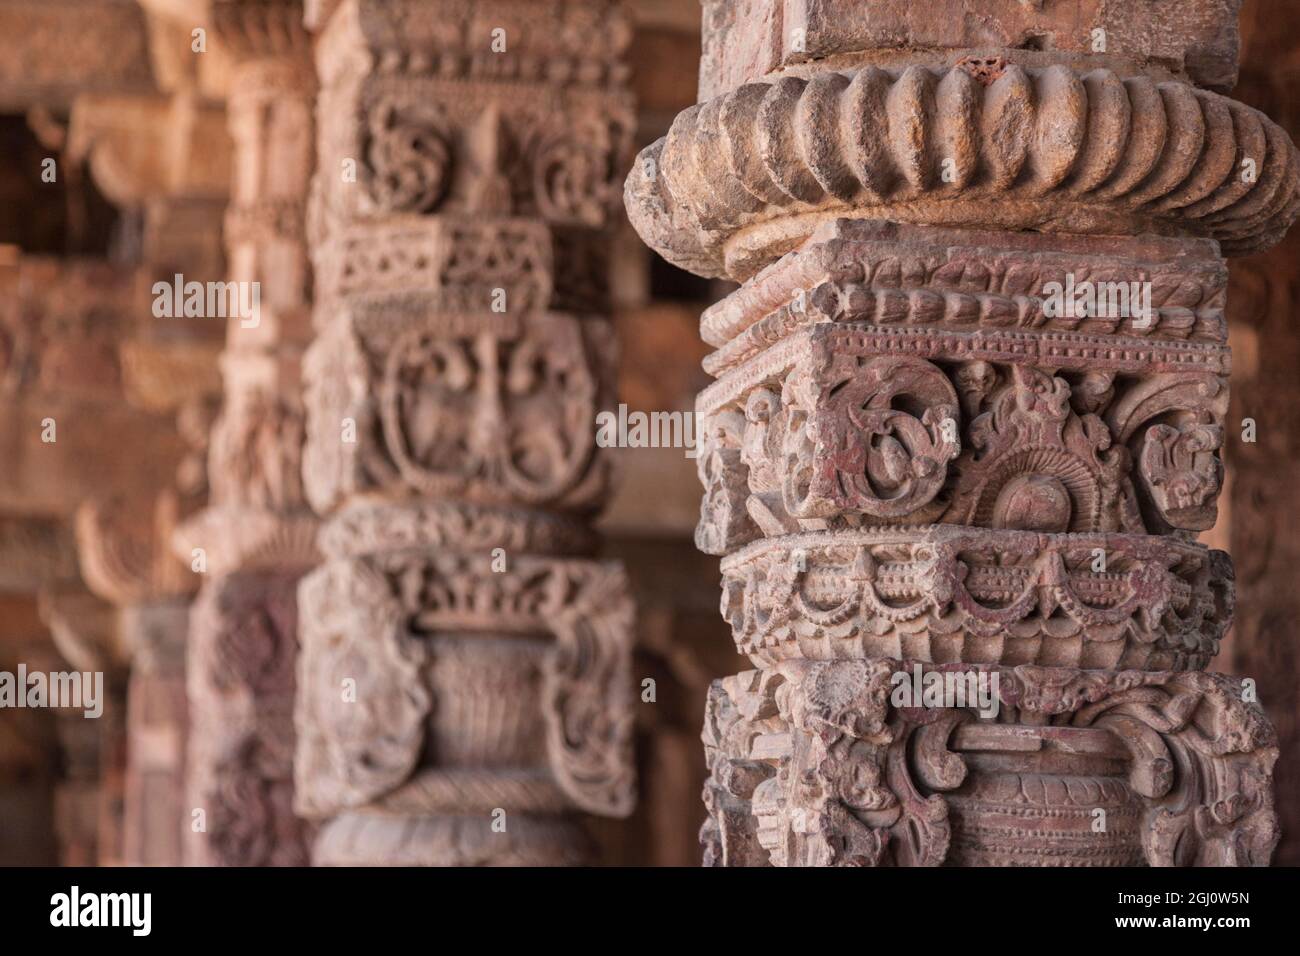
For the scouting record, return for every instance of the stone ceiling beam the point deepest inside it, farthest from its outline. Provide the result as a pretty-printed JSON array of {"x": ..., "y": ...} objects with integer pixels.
[{"x": 52, "y": 51}]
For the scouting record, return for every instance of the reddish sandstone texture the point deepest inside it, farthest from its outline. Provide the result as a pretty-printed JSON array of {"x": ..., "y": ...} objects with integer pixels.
[{"x": 919, "y": 457}]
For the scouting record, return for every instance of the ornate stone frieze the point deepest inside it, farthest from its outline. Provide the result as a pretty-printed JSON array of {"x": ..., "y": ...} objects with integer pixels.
[
  {"x": 441, "y": 524},
  {"x": 952, "y": 594},
  {"x": 922, "y": 417},
  {"x": 486, "y": 407},
  {"x": 811, "y": 764},
  {"x": 894, "y": 274},
  {"x": 436, "y": 140},
  {"x": 558, "y": 43},
  {"x": 454, "y": 263}
]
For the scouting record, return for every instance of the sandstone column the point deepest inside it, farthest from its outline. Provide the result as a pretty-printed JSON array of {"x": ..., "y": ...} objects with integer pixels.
[
  {"x": 125, "y": 559},
  {"x": 89, "y": 796},
  {"x": 464, "y": 686},
  {"x": 256, "y": 533},
  {"x": 82, "y": 358},
  {"x": 931, "y": 450},
  {"x": 163, "y": 159},
  {"x": 70, "y": 409}
]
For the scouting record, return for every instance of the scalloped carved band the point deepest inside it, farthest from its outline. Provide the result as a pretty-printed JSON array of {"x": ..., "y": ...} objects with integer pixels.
[
  {"x": 742, "y": 178},
  {"x": 949, "y": 595}
]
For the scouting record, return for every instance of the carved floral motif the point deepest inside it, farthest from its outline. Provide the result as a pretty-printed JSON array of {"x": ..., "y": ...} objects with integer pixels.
[
  {"x": 836, "y": 434},
  {"x": 408, "y": 156}
]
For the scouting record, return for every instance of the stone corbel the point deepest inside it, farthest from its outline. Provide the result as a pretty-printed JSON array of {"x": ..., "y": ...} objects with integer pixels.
[{"x": 142, "y": 148}]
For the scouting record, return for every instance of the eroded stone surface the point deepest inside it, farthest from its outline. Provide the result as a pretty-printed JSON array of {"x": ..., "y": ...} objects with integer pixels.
[
  {"x": 932, "y": 447},
  {"x": 451, "y": 394},
  {"x": 745, "y": 39},
  {"x": 812, "y": 766},
  {"x": 746, "y": 176}
]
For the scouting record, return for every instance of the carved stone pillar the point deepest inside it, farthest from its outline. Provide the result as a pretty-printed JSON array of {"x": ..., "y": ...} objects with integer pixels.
[
  {"x": 969, "y": 405},
  {"x": 464, "y": 686},
  {"x": 80, "y": 357},
  {"x": 125, "y": 560},
  {"x": 162, "y": 156},
  {"x": 31, "y": 827},
  {"x": 257, "y": 532},
  {"x": 88, "y": 809},
  {"x": 124, "y": 539},
  {"x": 67, "y": 331}
]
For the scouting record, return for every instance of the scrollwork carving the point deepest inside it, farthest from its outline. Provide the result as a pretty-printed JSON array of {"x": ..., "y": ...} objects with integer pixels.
[
  {"x": 1036, "y": 465},
  {"x": 588, "y": 680},
  {"x": 361, "y": 704},
  {"x": 837, "y": 436},
  {"x": 408, "y": 155},
  {"x": 871, "y": 454},
  {"x": 1202, "y": 758},
  {"x": 812, "y": 764}
]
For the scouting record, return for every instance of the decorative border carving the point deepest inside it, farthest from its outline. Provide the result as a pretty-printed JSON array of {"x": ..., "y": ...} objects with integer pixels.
[
  {"x": 952, "y": 594},
  {"x": 729, "y": 186},
  {"x": 810, "y": 765}
]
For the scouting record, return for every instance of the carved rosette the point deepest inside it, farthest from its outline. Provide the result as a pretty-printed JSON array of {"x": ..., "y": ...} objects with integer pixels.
[
  {"x": 970, "y": 404},
  {"x": 464, "y": 688}
]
